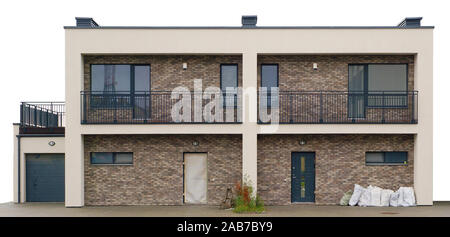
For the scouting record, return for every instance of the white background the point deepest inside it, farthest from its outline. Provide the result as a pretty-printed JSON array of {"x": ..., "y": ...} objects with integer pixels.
[{"x": 32, "y": 48}]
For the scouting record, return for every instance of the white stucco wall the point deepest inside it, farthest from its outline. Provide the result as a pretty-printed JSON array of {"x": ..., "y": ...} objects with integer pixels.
[{"x": 31, "y": 145}]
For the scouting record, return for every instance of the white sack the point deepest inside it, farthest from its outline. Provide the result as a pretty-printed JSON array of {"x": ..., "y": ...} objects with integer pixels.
[
  {"x": 346, "y": 198},
  {"x": 385, "y": 197},
  {"x": 375, "y": 196},
  {"x": 364, "y": 200},
  {"x": 356, "y": 195},
  {"x": 393, "y": 202},
  {"x": 406, "y": 197}
]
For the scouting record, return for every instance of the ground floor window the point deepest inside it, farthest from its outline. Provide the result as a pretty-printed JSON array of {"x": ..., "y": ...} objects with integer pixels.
[
  {"x": 111, "y": 158},
  {"x": 386, "y": 158}
]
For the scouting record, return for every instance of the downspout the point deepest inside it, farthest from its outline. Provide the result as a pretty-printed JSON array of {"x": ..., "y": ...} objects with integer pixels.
[{"x": 18, "y": 169}]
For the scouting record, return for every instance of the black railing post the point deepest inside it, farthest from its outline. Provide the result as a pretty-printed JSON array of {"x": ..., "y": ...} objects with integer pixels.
[
  {"x": 413, "y": 114},
  {"x": 51, "y": 110},
  {"x": 21, "y": 114},
  {"x": 35, "y": 116},
  {"x": 291, "y": 112},
  {"x": 114, "y": 97},
  {"x": 29, "y": 114},
  {"x": 383, "y": 108},
  {"x": 84, "y": 104},
  {"x": 321, "y": 108},
  {"x": 145, "y": 107}
]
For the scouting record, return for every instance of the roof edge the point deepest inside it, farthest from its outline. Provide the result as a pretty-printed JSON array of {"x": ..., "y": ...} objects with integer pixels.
[{"x": 243, "y": 28}]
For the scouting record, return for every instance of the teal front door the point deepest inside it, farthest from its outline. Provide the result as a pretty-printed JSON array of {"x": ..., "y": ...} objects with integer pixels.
[{"x": 302, "y": 177}]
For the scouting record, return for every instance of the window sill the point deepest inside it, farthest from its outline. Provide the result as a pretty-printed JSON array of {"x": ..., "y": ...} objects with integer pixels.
[
  {"x": 111, "y": 164},
  {"x": 386, "y": 164}
]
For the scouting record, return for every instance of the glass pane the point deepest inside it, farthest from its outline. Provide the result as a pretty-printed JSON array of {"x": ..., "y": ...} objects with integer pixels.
[
  {"x": 387, "y": 77},
  {"x": 141, "y": 78},
  {"x": 101, "y": 158},
  {"x": 229, "y": 76},
  {"x": 396, "y": 157},
  {"x": 356, "y": 99},
  {"x": 123, "y": 158},
  {"x": 141, "y": 89},
  {"x": 302, "y": 187},
  {"x": 356, "y": 78},
  {"x": 374, "y": 157},
  {"x": 110, "y": 78},
  {"x": 269, "y": 76},
  {"x": 302, "y": 164},
  {"x": 269, "y": 79}
]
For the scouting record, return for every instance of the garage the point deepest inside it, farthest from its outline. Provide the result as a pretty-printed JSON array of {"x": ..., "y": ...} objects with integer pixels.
[{"x": 44, "y": 177}]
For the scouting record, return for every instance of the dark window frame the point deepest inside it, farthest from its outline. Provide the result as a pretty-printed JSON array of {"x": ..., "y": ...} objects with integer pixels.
[
  {"x": 237, "y": 83},
  {"x": 114, "y": 154},
  {"x": 269, "y": 96},
  {"x": 368, "y": 94},
  {"x": 405, "y": 162},
  {"x": 131, "y": 93}
]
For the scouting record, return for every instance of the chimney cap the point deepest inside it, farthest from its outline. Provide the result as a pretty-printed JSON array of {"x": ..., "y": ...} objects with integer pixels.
[
  {"x": 86, "y": 22},
  {"x": 249, "y": 21},
  {"x": 410, "y": 22}
]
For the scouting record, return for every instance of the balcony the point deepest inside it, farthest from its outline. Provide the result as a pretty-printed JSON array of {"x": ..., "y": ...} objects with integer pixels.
[
  {"x": 42, "y": 118},
  {"x": 153, "y": 107},
  {"x": 340, "y": 107}
]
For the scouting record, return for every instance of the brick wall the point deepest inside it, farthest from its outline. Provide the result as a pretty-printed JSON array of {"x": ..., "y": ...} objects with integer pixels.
[
  {"x": 166, "y": 74},
  {"x": 167, "y": 70},
  {"x": 340, "y": 163},
  {"x": 156, "y": 176},
  {"x": 296, "y": 74},
  {"x": 296, "y": 71}
]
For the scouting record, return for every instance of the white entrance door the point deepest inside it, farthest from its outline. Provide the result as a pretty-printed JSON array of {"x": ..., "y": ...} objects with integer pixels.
[{"x": 195, "y": 178}]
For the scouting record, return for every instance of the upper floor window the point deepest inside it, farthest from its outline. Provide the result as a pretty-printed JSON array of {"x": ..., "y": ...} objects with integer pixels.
[
  {"x": 229, "y": 79},
  {"x": 376, "y": 85},
  {"x": 120, "y": 78},
  {"x": 269, "y": 79},
  {"x": 120, "y": 85}
]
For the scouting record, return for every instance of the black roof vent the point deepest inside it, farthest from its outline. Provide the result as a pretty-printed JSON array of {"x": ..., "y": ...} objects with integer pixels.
[
  {"x": 86, "y": 22},
  {"x": 410, "y": 22},
  {"x": 249, "y": 21}
]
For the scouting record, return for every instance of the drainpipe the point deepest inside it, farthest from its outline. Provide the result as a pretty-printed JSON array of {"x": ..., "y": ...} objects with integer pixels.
[{"x": 18, "y": 168}]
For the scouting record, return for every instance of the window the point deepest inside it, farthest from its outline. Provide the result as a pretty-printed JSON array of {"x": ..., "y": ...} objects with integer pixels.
[
  {"x": 386, "y": 158},
  {"x": 110, "y": 78},
  {"x": 111, "y": 158},
  {"x": 121, "y": 85},
  {"x": 376, "y": 85},
  {"x": 141, "y": 96},
  {"x": 269, "y": 80},
  {"x": 229, "y": 79}
]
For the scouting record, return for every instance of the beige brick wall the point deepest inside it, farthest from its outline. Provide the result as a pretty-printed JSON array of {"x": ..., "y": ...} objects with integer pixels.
[
  {"x": 340, "y": 163},
  {"x": 156, "y": 176}
]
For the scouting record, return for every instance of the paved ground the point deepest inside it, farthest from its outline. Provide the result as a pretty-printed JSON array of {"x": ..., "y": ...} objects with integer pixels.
[{"x": 58, "y": 209}]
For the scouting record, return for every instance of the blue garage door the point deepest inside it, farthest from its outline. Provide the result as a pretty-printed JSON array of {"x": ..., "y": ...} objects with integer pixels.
[{"x": 45, "y": 177}]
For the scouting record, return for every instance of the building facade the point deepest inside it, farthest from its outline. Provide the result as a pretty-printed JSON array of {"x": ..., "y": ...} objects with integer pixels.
[{"x": 343, "y": 108}]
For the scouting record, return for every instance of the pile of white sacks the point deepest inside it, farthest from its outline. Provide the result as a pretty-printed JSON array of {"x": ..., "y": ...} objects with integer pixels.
[{"x": 373, "y": 196}]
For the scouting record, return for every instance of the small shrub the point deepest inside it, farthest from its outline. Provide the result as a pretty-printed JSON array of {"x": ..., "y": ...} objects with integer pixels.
[{"x": 244, "y": 201}]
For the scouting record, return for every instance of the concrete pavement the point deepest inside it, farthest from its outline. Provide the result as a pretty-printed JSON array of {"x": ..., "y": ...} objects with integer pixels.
[{"x": 58, "y": 209}]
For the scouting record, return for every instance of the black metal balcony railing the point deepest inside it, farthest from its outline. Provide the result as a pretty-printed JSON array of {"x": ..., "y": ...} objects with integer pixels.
[
  {"x": 154, "y": 107},
  {"x": 42, "y": 117},
  {"x": 341, "y": 107}
]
